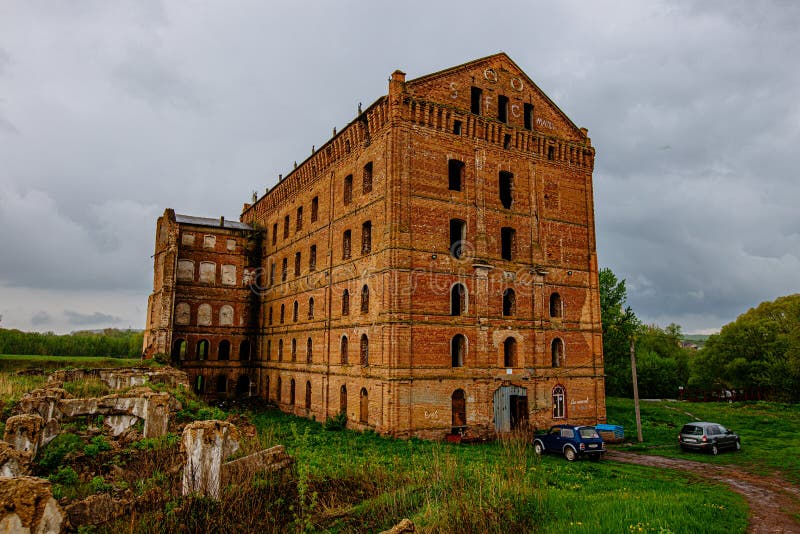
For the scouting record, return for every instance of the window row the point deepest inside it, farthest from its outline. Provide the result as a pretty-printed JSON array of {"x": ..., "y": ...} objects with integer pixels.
[
  {"x": 202, "y": 350},
  {"x": 504, "y": 108},
  {"x": 458, "y": 352},
  {"x": 209, "y": 242},
  {"x": 505, "y": 185},
  {"x": 366, "y": 184},
  {"x": 220, "y": 385},
  {"x": 364, "y": 307},
  {"x": 459, "y": 301},
  {"x": 344, "y": 356},
  {"x": 205, "y": 315},
  {"x": 363, "y": 407},
  {"x": 207, "y": 272},
  {"x": 459, "y": 243}
]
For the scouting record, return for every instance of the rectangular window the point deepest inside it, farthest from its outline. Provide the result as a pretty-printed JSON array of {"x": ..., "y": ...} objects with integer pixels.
[
  {"x": 314, "y": 209},
  {"x": 507, "y": 243},
  {"x": 551, "y": 153},
  {"x": 312, "y": 258},
  {"x": 297, "y": 264},
  {"x": 274, "y": 234},
  {"x": 527, "y": 114},
  {"x": 272, "y": 274},
  {"x": 347, "y": 195},
  {"x": 506, "y": 185},
  {"x": 455, "y": 173},
  {"x": 458, "y": 233},
  {"x": 299, "y": 223},
  {"x": 270, "y": 315},
  {"x": 506, "y": 141},
  {"x": 284, "y": 269},
  {"x": 286, "y": 227},
  {"x": 476, "y": 95},
  {"x": 366, "y": 238},
  {"x": 346, "y": 239},
  {"x": 457, "y": 127},
  {"x": 502, "y": 108},
  {"x": 367, "y": 182}
]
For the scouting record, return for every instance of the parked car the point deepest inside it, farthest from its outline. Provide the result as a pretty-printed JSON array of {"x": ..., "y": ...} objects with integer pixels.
[
  {"x": 705, "y": 436},
  {"x": 572, "y": 441}
]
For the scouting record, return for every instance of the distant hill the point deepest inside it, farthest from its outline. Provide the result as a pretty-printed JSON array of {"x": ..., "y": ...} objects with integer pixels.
[{"x": 697, "y": 339}]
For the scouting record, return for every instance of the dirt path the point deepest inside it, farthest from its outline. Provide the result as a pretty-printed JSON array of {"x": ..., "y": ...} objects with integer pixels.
[{"x": 772, "y": 500}]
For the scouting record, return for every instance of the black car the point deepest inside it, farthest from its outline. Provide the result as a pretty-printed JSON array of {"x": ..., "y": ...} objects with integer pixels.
[
  {"x": 572, "y": 441},
  {"x": 711, "y": 437}
]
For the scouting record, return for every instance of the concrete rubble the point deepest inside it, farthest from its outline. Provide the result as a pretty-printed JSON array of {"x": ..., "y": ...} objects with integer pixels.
[
  {"x": 24, "y": 432},
  {"x": 27, "y": 506}
]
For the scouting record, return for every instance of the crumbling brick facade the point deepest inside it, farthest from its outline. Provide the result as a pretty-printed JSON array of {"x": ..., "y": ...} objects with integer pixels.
[{"x": 430, "y": 269}]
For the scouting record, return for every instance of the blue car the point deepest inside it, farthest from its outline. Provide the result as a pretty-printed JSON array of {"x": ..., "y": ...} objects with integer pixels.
[{"x": 573, "y": 441}]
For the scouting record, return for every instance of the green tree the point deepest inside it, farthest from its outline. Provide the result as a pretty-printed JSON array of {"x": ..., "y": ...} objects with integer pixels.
[{"x": 619, "y": 325}]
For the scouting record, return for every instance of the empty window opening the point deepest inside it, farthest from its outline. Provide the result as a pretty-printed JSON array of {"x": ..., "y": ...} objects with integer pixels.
[
  {"x": 222, "y": 384},
  {"x": 202, "y": 350},
  {"x": 269, "y": 349},
  {"x": 506, "y": 185},
  {"x": 551, "y": 153},
  {"x": 294, "y": 350},
  {"x": 284, "y": 269},
  {"x": 458, "y": 235},
  {"x": 455, "y": 174},
  {"x": 314, "y": 209},
  {"x": 366, "y": 237},
  {"x": 347, "y": 196},
  {"x": 508, "y": 238},
  {"x": 527, "y": 116},
  {"x": 555, "y": 305},
  {"x": 244, "y": 350},
  {"x": 224, "y": 350},
  {"x": 557, "y": 350},
  {"x": 458, "y": 348},
  {"x": 502, "y": 108},
  {"x": 364, "y": 350},
  {"x": 295, "y": 311},
  {"x": 559, "y": 402},
  {"x": 457, "y": 127},
  {"x": 278, "y": 391},
  {"x": 458, "y": 300},
  {"x": 199, "y": 386},
  {"x": 270, "y": 315},
  {"x": 272, "y": 274},
  {"x": 179, "y": 350},
  {"x": 291, "y": 392},
  {"x": 509, "y": 302},
  {"x": 506, "y": 141},
  {"x": 309, "y": 350},
  {"x": 312, "y": 258},
  {"x": 343, "y": 399},
  {"x": 274, "y": 234},
  {"x": 311, "y": 308},
  {"x": 363, "y": 412},
  {"x": 346, "y": 240},
  {"x": 459, "y": 409},
  {"x": 297, "y": 264},
  {"x": 283, "y": 312},
  {"x": 299, "y": 222},
  {"x": 365, "y": 299},
  {"x": 286, "y": 227},
  {"x": 510, "y": 352},
  {"x": 476, "y": 97},
  {"x": 280, "y": 350},
  {"x": 366, "y": 186},
  {"x": 343, "y": 349},
  {"x": 308, "y": 395},
  {"x": 346, "y": 302}
]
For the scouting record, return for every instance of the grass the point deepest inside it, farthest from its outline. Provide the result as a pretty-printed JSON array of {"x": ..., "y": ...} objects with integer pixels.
[
  {"x": 17, "y": 362},
  {"x": 768, "y": 431}
]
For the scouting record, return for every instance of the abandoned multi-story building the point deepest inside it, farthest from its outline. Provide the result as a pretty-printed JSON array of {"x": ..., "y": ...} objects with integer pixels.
[{"x": 429, "y": 269}]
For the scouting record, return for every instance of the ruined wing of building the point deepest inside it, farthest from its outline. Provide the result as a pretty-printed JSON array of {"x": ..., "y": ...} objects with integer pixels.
[{"x": 430, "y": 270}]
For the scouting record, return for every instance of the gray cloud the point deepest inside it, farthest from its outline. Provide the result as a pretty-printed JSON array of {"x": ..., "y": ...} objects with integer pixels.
[
  {"x": 90, "y": 319},
  {"x": 110, "y": 112},
  {"x": 41, "y": 318}
]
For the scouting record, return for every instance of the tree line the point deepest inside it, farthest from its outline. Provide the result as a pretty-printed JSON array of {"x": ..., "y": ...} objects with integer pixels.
[
  {"x": 108, "y": 343},
  {"x": 760, "y": 349}
]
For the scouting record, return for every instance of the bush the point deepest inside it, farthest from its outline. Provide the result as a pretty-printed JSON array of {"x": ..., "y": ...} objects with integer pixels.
[
  {"x": 161, "y": 358},
  {"x": 99, "y": 485},
  {"x": 66, "y": 476},
  {"x": 54, "y": 452},
  {"x": 97, "y": 445},
  {"x": 337, "y": 422}
]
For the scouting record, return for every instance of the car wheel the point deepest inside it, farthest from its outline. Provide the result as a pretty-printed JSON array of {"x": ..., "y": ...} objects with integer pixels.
[
  {"x": 714, "y": 449},
  {"x": 537, "y": 448},
  {"x": 738, "y": 445},
  {"x": 570, "y": 454}
]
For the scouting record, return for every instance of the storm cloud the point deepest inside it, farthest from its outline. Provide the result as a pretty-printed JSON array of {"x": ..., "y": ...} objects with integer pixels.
[{"x": 111, "y": 112}]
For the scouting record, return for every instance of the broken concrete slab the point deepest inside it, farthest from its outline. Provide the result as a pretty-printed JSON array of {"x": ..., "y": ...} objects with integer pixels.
[
  {"x": 24, "y": 432},
  {"x": 96, "y": 510},
  {"x": 13, "y": 463},
  {"x": 121, "y": 378},
  {"x": 27, "y": 506},
  {"x": 403, "y": 527},
  {"x": 207, "y": 444},
  {"x": 241, "y": 469}
]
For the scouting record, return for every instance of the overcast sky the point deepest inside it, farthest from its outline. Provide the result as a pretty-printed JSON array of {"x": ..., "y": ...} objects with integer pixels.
[{"x": 112, "y": 111}]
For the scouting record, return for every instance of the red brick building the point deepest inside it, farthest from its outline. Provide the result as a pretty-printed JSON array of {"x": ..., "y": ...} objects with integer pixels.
[{"x": 431, "y": 268}]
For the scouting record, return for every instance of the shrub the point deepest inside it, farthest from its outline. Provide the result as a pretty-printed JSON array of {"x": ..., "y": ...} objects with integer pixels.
[
  {"x": 97, "y": 445},
  {"x": 54, "y": 452},
  {"x": 337, "y": 422},
  {"x": 99, "y": 485},
  {"x": 66, "y": 476}
]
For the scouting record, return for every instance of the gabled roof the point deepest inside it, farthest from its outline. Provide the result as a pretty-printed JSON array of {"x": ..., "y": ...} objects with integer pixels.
[{"x": 232, "y": 224}]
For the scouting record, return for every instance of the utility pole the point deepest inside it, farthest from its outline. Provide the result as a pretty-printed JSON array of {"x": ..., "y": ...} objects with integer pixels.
[{"x": 636, "y": 390}]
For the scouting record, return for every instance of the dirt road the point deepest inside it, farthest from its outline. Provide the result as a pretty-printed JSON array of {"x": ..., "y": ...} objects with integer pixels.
[{"x": 772, "y": 500}]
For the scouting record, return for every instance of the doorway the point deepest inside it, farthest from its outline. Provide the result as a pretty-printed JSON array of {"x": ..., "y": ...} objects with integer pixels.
[{"x": 510, "y": 408}]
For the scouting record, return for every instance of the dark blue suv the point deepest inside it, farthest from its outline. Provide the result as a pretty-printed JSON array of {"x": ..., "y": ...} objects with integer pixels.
[{"x": 572, "y": 441}]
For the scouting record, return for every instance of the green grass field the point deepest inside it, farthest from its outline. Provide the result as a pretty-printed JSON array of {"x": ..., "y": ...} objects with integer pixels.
[
  {"x": 768, "y": 430},
  {"x": 16, "y": 362}
]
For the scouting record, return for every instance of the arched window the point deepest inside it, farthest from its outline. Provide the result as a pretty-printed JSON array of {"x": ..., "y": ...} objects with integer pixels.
[
  {"x": 295, "y": 311},
  {"x": 557, "y": 350},
  {"x": 279, "y": 391},
  {"x": 308, "y": 395},
  {"x": 347, "y": 239},
  {"x": 204, "y": 315},
  {"x": 366, "y": 238},
  {"x": 346, "y": 302},
  {"x": 294, "y": 349},
  {"x": 283, "y": 312},
  {"x": 199, "y": 384},
  {"x": 179, "y": 350},
  {"x": 363, "y": 412},
  {"x": 183, "y": 313},
  {"x": 510, "y": 352},
  {"x": 244, "y": 350},
  {"x": 458, "y": 300},
  {"x": 458, "y": 348},
  {"x": 364, "y": 350},
  {"x": 458, "y": 236},
  {"x": 280, "y": 350},
  {"x": 224, "y": 350},
  {"x": 343, "y": 399},
  {"x": 202, "y": 350},
  {"x": 311, "y": 308},
  {"x": 367, "y": 179},
  {"x": 555, "y": 305},
  {"x": 347, "y": 195},
  {"x": 509, "y": 302},
  {"x": 459, "y": 408},
  {"x": 309, "y": 350},
  {"x": 343, "y": 349},
  {"x": 222, "y": 384},
  {"x": 314, "y": 209},
  {"x": 291, "y": 392},
  {"x": 365, "y": 299},
  {"x": 312, "y": 258},
  {"x": 559, "y": 402}
]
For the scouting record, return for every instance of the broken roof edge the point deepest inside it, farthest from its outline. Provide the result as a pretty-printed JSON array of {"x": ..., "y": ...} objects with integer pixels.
[{"x": 230, "y": 224}]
